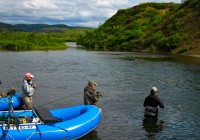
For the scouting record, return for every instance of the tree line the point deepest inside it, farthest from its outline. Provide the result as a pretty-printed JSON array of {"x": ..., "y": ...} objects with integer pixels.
[{"x": 18, "y": 41}]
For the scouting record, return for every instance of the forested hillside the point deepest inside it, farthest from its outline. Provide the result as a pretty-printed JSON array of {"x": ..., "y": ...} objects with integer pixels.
[
  {"x": 22, "y": 37},
  {"x": 4, "y": 27},
  {"x": 151, "y": 27}
]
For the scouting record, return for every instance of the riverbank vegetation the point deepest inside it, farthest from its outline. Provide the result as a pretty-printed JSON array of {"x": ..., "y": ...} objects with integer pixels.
[
  {"x": 150, "y": 27},
  {"x": 19, "y": 41}
]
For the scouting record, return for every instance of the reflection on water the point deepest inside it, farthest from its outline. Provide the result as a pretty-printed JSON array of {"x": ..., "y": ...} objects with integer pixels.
[
  {"x": 152, "y": 126},
  {"x": 91, "y": 136},
  {"x": 163, "y": 58}
]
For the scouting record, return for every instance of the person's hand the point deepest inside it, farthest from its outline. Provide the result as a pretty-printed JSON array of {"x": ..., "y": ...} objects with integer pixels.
[
  {"x": 34, "y": 85},
  {"x": 95, "y": 103},
  {"x": 99, "y": 94}
]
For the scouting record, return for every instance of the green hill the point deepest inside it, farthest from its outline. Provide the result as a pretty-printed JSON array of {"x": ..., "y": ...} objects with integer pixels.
[
  {"x": 6, "y": 27},
  {"x": 151, "y": 27},
  {"x": 37, "y": 27}
]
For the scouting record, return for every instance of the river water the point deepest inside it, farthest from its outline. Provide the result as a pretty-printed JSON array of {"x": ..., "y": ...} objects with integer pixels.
[{"x": 124, "y": 79}]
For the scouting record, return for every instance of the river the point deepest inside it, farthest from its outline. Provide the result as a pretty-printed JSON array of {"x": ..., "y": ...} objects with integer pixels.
[{"x": 124, "y": 79}]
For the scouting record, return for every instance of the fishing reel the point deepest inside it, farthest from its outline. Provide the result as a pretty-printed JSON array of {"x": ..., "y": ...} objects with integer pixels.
[
  {"x": 33, "y": 85},
  {"x": 99, "y": 94}
]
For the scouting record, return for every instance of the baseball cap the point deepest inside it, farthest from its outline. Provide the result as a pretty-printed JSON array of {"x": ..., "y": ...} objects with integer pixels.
[
  {"x": 154, "y": 89},
  {"x": 92, "y": 82},
  {"x": 29, "y": 75}
]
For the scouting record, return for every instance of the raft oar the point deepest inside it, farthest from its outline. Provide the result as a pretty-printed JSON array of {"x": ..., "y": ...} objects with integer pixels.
[
  {"x": 16, "y": 120},
  {"x": 8, "y": 121}
]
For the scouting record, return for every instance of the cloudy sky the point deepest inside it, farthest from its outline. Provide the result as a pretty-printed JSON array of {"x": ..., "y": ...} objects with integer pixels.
[{"x": 87, "y": 13}]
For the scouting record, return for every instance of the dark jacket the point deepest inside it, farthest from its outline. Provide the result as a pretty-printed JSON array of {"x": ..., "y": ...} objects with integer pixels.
[
  {"x": 90, "y": 96},
  {"x": 152, "y": 102}
]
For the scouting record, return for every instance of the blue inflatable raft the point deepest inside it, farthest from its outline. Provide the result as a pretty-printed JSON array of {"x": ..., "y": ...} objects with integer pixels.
[
  {"x": 64, "y": 123},
  {"x": 16, "y": 101}
]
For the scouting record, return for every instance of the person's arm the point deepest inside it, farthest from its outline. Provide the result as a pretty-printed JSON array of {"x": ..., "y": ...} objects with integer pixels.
[
  {"x": 94, "y": 97},
  {"x": 145, "y": 102},
  {"x": 160, "y": 103}
]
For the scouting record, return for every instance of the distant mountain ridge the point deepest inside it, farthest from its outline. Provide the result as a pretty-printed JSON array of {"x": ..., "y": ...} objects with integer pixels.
[{"x": 36, "y": 27}]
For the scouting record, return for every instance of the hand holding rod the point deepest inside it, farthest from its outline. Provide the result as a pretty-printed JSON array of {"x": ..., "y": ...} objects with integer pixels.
[{"x": 99, "y": 94}]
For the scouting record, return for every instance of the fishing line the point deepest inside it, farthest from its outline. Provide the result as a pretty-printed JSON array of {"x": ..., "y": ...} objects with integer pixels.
[
  {"x": 86, "y": 77},
  {"x": 85, "y": 74},
  {"x": 56, "y": 100},
  {"x": 65, "y": 96}
]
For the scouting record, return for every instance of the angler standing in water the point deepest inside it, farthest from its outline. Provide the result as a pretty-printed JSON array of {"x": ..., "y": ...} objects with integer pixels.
[
  {"x": 91, "y": 96},
  {"x": 28, "y": 89},
  {"x": 152, "y": 102}
]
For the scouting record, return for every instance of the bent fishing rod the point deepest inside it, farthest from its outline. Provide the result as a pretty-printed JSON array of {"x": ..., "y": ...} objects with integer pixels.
[
  {"x": 98, "y": 93},
  {"x": 62, "y": 99}
]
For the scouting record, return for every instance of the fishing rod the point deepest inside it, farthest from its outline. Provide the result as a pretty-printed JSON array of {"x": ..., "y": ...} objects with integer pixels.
[
  {"x": 98, "y": 93},
  {"x": 62, "y": 97},
  {"x": 85, "y": 74}
]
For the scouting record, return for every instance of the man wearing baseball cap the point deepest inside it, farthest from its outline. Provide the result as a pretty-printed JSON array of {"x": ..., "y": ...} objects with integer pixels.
[
  {"x": 91, "y": 96},
  {"x": 28, "y": 89},
  {"x": 152, "y": 102}
]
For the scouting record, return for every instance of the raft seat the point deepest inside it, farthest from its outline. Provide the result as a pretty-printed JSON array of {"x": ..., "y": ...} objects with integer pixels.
[{"x": 46, "y": 116}]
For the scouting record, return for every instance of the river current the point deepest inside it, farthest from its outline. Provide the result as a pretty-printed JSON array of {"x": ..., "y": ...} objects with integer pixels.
[{"x": 124, "y": 79}]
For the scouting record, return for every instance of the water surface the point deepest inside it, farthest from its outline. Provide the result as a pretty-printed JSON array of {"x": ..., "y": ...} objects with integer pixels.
[{"x": 124, "y": 79}]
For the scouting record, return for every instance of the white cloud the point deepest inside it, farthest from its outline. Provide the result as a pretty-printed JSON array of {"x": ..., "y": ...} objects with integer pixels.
[
  {"x": 40, "y": 5},
  {"x": 111, "y": 3},
  {"x": 73, "y": 13},
  {"x": 85, "y": 14}
]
